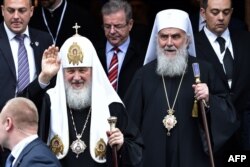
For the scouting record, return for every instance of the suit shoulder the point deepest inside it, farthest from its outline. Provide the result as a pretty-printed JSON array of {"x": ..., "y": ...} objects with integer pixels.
[
  {"x": 240, "y": 34},
  {"x": 39, "y": 32},
  {"x": 42, "y": 36},
  {"x": 40, "y": 149},
  {"x": 138, "y": 44}
]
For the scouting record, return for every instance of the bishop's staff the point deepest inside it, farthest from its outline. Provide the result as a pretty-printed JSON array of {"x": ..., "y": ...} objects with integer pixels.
[
  {"x": 202, "y": 105},
  {"x": 112, "y": 122}
]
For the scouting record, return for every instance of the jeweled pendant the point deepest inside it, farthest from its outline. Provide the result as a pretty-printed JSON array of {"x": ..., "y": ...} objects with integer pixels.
[
  {"x": 169, "y": 122},
  {"x": 78, "y": 146}
]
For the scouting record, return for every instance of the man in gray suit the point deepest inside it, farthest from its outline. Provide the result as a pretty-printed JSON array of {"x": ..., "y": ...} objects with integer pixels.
[{"x": 19, "y": 125}]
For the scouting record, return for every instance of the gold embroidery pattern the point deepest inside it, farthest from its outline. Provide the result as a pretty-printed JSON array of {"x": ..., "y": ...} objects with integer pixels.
[
  {"x": 100, "y": 149},
  {"x": 56, "y": 145},
  {"x": 75, "y": 54}
]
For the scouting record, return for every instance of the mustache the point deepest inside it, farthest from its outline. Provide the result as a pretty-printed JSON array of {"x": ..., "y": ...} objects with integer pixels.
[
  {"x": 171, "y": 48},
  {"x": 77, "y": 82}
]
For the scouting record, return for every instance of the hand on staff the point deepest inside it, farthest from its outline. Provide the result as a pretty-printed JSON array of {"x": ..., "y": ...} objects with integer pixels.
[
  {"x": 115, "y": 138},
  {"x": 50, "y": 64},
  {"x": 201, "y": 91}
]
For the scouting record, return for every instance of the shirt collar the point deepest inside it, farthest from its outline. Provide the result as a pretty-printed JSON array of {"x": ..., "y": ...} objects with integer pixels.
[
  {"x": 123, "y": 47},
  {"x": 16, "y": 151},
  {"x": 213, "y": 37}
]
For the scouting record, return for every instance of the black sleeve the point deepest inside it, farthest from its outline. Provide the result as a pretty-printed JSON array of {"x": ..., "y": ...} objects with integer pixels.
[
  {"x": 222, "y": 118},
  {"x": 44, "y": 118},
  {"x": 130, "y": 154}
]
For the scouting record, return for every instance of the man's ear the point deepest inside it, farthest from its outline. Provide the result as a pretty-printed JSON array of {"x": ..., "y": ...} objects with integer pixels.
[
  {"x": 8, "y": 124},
  {"x": 202, "y": 13}
]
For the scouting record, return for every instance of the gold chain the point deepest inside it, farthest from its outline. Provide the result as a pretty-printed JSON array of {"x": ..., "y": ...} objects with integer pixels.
[
  {"x": 171, "y": 110},
  {"x": 85, "y": 124}
]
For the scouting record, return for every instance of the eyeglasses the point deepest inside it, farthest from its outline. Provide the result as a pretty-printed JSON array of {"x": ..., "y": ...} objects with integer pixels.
[{"x": 117, "y": 27}]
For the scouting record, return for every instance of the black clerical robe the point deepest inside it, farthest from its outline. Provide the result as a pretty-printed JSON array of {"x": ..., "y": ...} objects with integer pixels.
[
  {"x": 185, "y": 147},
  {"x": 129, "y": 155}
]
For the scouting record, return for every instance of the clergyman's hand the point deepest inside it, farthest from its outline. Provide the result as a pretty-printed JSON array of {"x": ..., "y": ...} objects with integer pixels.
[
  {"x": 50, "y": 64},
  {"x": 115, "y": 138},
  {"x": 201, "y": 91}
]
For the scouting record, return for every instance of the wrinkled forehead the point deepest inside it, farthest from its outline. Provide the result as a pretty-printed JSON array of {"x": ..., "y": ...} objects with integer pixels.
[
  {"x": 77, "y": 69},
  {"x": 171, "y": 31}
]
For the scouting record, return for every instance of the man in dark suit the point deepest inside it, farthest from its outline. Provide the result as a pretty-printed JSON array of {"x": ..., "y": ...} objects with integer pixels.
[
  {"x": 236, "y": 47},
  {"x": 16, "y": 20},
  {"x": 16, "y": 17},
  {"x": 117, "y": 24},
  {"x": 19, "y": 125},
  {"x": 198, "y": 22}
]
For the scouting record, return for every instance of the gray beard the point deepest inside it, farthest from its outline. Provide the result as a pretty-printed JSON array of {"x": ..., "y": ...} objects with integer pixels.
[
  {"x": 171, "y": 66},
  {"x": 78, "y": 98}
]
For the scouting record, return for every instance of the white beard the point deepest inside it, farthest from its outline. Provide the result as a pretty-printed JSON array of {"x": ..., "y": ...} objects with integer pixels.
[
  {"x": 78, "y": 98},
  {"x": 171, "y": 66}
]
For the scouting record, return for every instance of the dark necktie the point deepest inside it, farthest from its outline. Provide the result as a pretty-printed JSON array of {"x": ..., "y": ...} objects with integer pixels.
[
  {"x": 9, "y": 161},
  {"x": 23, "y": 64},
  {"x": 227, "y": 60},
  {"x": 221, "y": 42},
  {"x": 113, "y": 69}
]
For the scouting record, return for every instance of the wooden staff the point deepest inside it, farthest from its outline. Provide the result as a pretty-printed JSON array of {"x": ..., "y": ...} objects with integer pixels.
[
  {"x": 204, "y": 120},
  {"x": 112, "y": 122},
  {"x": 202, "y": 105}
]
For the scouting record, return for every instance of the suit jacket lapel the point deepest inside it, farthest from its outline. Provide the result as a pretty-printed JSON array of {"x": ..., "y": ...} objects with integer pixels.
[
  {"x": 102, "y": 57},
  {"x": 212, "y": 57},
  {"x": 25, "y": 151},
  {"x": 129, "y": 54},
  {"x": 5, "y": 50},
  {"x": 35, "y": 42},
  {"x": 237, "y": 59}
]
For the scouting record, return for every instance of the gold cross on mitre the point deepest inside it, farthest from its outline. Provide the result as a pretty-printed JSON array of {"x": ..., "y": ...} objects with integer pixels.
[{"x": 76, "y": 26}]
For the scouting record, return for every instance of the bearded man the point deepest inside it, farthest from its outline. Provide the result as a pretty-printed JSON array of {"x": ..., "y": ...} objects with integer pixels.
[
  {"x": 74, "y": 115},
  {"x": 161, "y": 97}
]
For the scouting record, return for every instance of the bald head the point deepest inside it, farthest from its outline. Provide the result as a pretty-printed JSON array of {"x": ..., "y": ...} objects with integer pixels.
[
  {"x": 18, "y": 120},
  {"x": 23, "y": 112},
  {"x": 30, "y": 2}
]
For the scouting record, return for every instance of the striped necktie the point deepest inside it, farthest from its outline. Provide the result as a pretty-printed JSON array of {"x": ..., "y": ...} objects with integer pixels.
[
  {"x": 113, "y": 69},
  {"x": 23, "y": 64}
]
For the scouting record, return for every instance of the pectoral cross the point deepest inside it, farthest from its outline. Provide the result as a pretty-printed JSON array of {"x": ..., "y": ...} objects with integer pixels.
[{"x": 76, "y": 26}]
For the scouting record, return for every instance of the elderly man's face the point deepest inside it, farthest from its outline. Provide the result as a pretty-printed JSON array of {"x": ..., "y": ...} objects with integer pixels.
[
  {"x": 77, "y": 76},
  {"x": 171, "y": 39},
  {"x": 116, "y": 27},
  {"x": 78, "y": 87}
]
